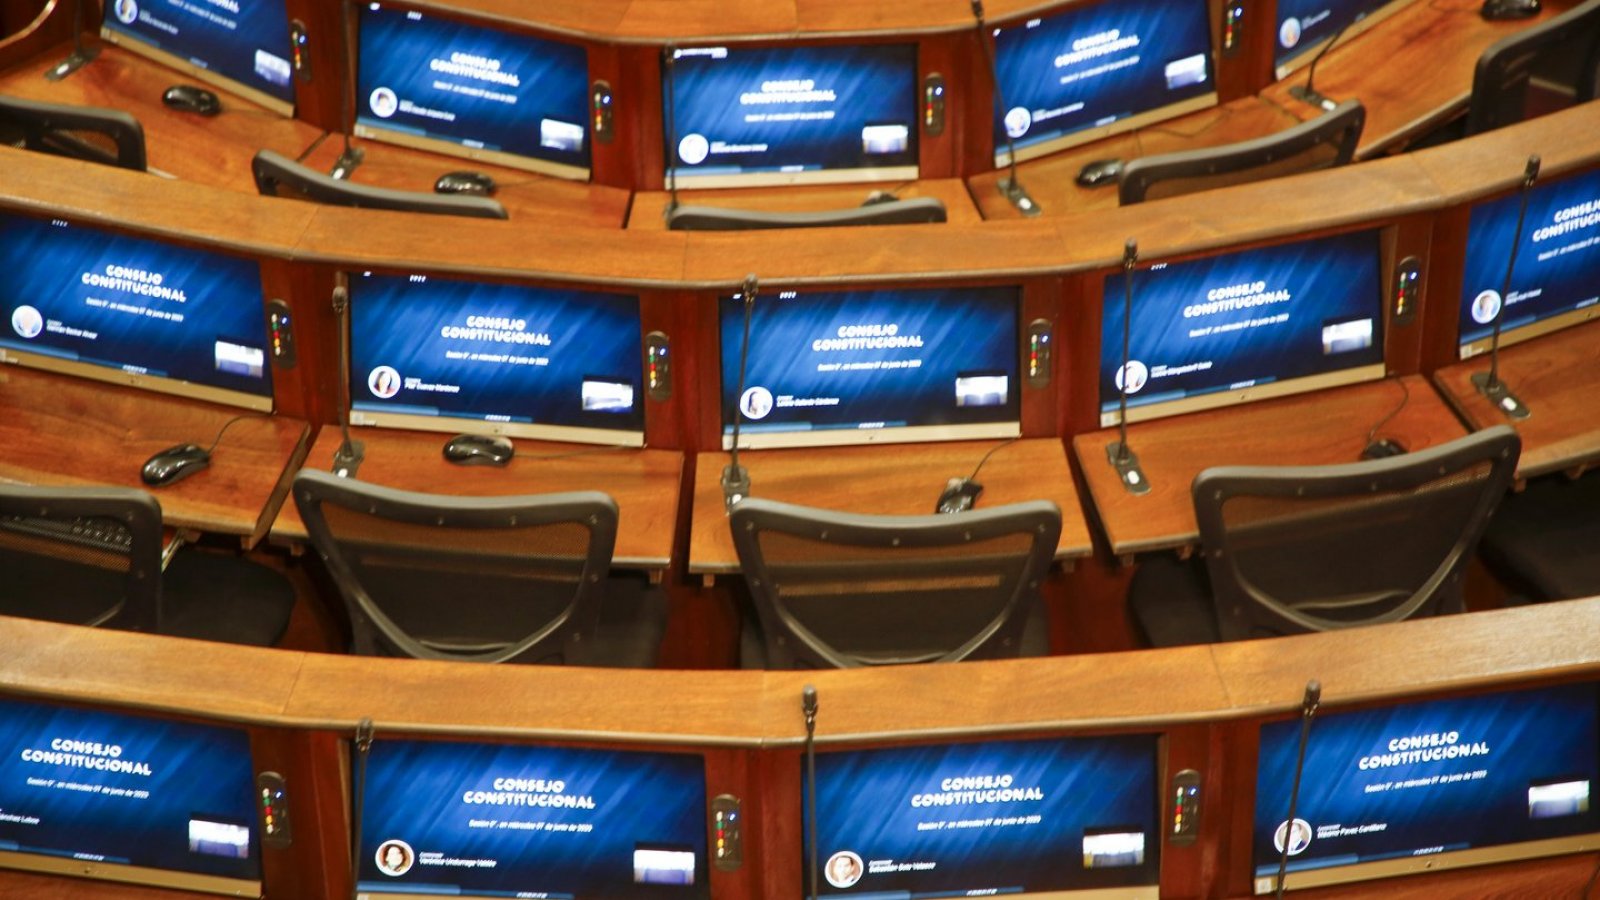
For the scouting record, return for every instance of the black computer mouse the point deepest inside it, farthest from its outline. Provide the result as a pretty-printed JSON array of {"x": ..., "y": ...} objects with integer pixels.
[
  {"x": 959, "y": 495},
  {"x": 1502, "y": 10},
  {"x": 464, "y": 183},
  {"x": 479, "y": 450},
  {"x": 175, "y": 464},
  {"x": 1099, "y": 172},
  {"x": 192, "y": 98},
  {"x": 1382, "y": 448}
]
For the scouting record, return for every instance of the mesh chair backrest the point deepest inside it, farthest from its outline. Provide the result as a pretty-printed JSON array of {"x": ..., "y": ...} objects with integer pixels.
[
  {"x": 50, "y": 557},
  {"x": 1314, "y": 548},
  {"x": 502, "y": 579},
  {"x": 840, "y": 590},
  {"x": 1324, "y": 142},
  {"x": 108, "y": 136},
  {"x": 1504, "y": 71},
  {"x": 278, "y": 176}
]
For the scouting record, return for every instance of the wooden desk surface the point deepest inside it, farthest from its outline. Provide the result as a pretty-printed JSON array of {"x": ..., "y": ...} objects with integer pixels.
[
  {"x": 896, "y": 479},
  {"x": 643, "y": 482},
  {"x": 1413, "y": 70},
  {"x": 60, "y": 430},
  {"x": 649, "y": 208},
  {"x": 529, "y": 197},
  {"x": 214, "y": 151},
  {"x": 1556, "y": 377},
  {"x": 1319, "y": 428},
  {"x": 1052, "y": 180}
]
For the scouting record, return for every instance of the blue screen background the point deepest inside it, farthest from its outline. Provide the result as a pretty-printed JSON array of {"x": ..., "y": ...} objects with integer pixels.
[
  {"x": 964, "y": 330},
  {"x": 873, "y": 85},
  {"x": 1531, "y": 735},
  {"x": 416, "y": 790},
  {"x": 1564, "y": 278},
  {"x": 1025, "y": 58},
  {"x": 864, "y": 804},
  {"x": 200, "y": 769},
  {"x": 45, "y": 263},
  {"x": 397, "y": 322},
  {"x": 398, "y": 48},
  {"x": 215, "y": 39},
  {"x": 1330, "y": 278}
]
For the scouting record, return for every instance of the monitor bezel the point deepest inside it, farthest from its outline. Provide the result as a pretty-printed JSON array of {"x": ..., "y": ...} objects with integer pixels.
[
  {"x": 1303, "y": 58},
  {"x": 160, "y": 384},
  {"x": 763, "y": 439},
  {"x": 1386, "y": 237},
  {"x": 1002, "y": 155},
  {"x": 448, "y": 147},
  {"x": 1161, "y": 772},
  {"x": 450, "y": 424},
  {"x": 675, "y": 173},
  {"x": 135, "y": 44}
]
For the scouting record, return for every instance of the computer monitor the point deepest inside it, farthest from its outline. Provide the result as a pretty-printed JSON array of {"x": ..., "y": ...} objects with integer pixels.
[
  {"x": 889, "y": 366},
  {"x": 127, "y": 798},
  {"x": 1089, "y": 71},
  {"x": 1306, "y": 26},
  {"x": 447, "y": 85},
  {"x": 1430, "y": 785},
  {"x": 738, "y": 116},
  {"x": 130, "y": 310},
  {"x": 443, "y": 354},
  {"x": 1245, "y": 326},
  {"x": 1036, "y": 818},
  {"x": 243, "y": 47},
  {"x": 1554, "y": 284},
  {"x": 477, "y": 820}
]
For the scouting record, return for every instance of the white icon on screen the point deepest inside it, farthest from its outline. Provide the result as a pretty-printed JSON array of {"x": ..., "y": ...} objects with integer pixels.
[
  {"x": 1137, "y": 375},
  {"x": 756, "y": 403},
  {"x": 1485, "y": 307},
  {"x": 384, "y": 382},
  {"x": 383, "y": 102},
  {"x": 1018, "y": 121},
  {"x": 1289, "y": 33},
  {"x": 26, "y": 321},
  {"x": 127, "y": 11},
  {"x": 693, "y": 149}
]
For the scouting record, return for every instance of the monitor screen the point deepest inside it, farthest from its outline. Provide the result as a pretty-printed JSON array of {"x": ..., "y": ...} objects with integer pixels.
[
  {"x": 1090, "y": 71},
  {"x": 792, "y": 115},
  {"x": 133, "y": 311},
  {"x": 127, "y": 798},
  {"x": 1429, "y": 785},
  {"x": 1306, "y": 26},
  {"x": 500, "y": 820},
  {"x": 1554, "y": 284},
  {"x": 446, "y": 355},
  {"x": 881, "y": 365},
  {"x": 503, "y": 97},
  {"x": 1244, "y": 326},
  {"x": 243, "y": 46},
  {"x": 1003, "y": 818}
]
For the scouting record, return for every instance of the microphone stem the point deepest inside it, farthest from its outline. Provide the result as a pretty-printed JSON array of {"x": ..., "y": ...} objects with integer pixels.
[{"x": 1127, "y": 329}]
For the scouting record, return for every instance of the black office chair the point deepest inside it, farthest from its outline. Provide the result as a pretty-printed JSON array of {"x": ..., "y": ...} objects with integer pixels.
[
  {"x": 840, "y": 590},
  {"x": 1295, "y": 549},
  {"x": 1324, "y": 142},
  {"x": 278, "y": 176},
  {"x": 1544, "y": 541},
  {"x": 480, "y": 579},
  {"x": 911, "y": 211},
  {"x": 107, "y": 136},
  {"x": 92, "y": 556},
  {"x": 1562, "y": 52}
]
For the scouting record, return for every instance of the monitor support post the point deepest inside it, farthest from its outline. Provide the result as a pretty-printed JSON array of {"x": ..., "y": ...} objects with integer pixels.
[
  {"x": 81, "y": 54},
  {"x": 1489, "y": 383},
  {"x": 1118, "y": 452}
]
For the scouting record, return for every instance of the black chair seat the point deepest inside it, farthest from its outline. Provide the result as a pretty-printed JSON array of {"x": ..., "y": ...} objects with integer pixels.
[
  {"x": 213, "y": 597},
  {"x": 1169, "y": 600},
  {"x": 1546, "y": 540}
]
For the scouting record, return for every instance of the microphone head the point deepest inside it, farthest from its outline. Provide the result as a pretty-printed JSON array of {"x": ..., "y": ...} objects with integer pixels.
[
  {"x": 1130, "y": 253},
  {"x": 1313, "y": 697},
  {"x": 341, "y": 299},
  {"x": 977, "y": 10},
  {"x": 808, "y": 699},
  {"x": 1531, "y": 173},
  {"x": 750, "y": 286}
]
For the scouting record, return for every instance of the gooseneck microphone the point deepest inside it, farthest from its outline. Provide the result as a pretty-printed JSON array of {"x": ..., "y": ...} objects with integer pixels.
[
  {"x": 1306, "y": 92},
  {"x": 352, "y": 156},
  {"x": 1308, "y": 711},
  {"x": 1489, "y": 383},
  {"x": 358, "y": 802},
  {"x": 347, "y": 459},
  {"x": 808, "y": 706},
  {"x": 81, "y": 54},
  {"x": 669, "y": 59},
  {"x": 1010, "y": 187},
  {"x": 735, "y": 479},
  {"x": 1118, "y": 452}
]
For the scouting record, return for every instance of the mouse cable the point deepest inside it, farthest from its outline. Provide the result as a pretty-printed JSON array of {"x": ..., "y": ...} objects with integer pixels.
[
  {"x": 229, "y": 424},
  {"x": 992, "y": 450},
  {"x": 1404, "y": 399}
]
